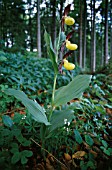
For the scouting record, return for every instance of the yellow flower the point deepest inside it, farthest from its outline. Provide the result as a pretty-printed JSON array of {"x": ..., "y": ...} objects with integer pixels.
[
  {"x": 71, "y": 46},
  {"x": 69, "y": 21},
  {"x": 68, "y": 66}
]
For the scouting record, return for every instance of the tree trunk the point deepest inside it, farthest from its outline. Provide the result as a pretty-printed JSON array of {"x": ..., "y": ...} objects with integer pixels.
[
  {"x": 80, "y": 36},
  {"x": 61, "y": 8},
  {"x": 106, "y": 34},
  {"x": 111, "y": 33},
  {"x": 54, "y": 21},
  {"x": 102, "y": 46},
  {"x": 30, "y": 28},
  {"x": 38, "y": 29},
  {"x": 93, "y": 39},
  {"x": 85, "y": 24}
]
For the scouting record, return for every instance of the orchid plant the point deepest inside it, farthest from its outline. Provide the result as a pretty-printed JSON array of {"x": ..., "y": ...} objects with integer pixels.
[{"x": 53, "y": 117}]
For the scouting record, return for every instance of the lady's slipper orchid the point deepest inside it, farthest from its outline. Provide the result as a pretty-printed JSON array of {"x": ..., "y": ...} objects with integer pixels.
[
  {"x": 67, "y": 65},
  {"x": 71, "y": 46},
  {"x": 69, "y": 21}
]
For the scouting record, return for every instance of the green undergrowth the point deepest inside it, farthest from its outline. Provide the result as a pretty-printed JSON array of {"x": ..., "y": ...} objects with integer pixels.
[
  {"x": 30, "y": 74},
  {"x": 87, "y": 138}
]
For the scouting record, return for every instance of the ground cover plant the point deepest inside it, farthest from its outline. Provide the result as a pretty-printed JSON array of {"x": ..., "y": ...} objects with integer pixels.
[
  {"x": 85, "y": 142},
  {"x": 61, "y": 128}
]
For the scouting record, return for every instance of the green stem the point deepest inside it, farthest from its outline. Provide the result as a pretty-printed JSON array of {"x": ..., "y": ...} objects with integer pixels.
[
  {"x": 55, "y": 76},
  {"x": 58, "y": 44},
  {"x": 54, "y": 87},
  {"x": 53, "y": 92}
]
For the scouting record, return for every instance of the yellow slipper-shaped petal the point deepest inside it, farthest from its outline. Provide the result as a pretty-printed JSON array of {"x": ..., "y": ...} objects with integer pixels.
[
  {"x": 68, "y": 66},
  {"x": 69, "y": 21},
  {"x": 71, "y": 46}
]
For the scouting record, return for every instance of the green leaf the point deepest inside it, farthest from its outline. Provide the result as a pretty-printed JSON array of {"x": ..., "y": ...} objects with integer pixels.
[
  {"x": 102, "y": 147},
  {"x": 24, "y": 154},
  {"x": 7, "y": 121},
  {"x": 78, "y": 137},
  {"x": 16, "y": 131},
  {"x": 23, "y": 140},
  {"x": 107, "y": 152},
  {"x": 109, "y": 106},
  {"x": 42, "y": 131},
  {"x": 91, "y": 165},
  {"x": 62, "y": 36},
  {"x": 73, "y": 90},
  {"x": 110, "y": 150},
  {"x": 27, "y": 153},
  {"x": 89, "y": 140},
  {"x": 110, "y": 99},
  {"x": 24, "y": 160},
  {"x": 59, "y": 40},
  {"x": 50, "y": 51},
  {"x": 2, "y": 58},
  {"x": 34, "y": 108},
  {"x": 83, "y": 165},
  {"x": 104, "y": 143},
  {"x": 13, "y": 150},
  {"x": 15, "y": 157},
  {"x": 100, "y": 109},
  {"x": 58, "y": 118},
  {"x": 14, "y": 145}
]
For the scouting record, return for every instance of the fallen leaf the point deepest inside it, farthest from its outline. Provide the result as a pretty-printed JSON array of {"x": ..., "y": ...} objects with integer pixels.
[
  {"x": 109, "y": 111},
  {"x": 79, "y": 154},
  {"x": 49, "y": 167},
  {"x": 63, "y": 168},
  {"x": 40, "y": 167},
  {"x": 22, "y": 112},
  {"x": 12, "y": 114},
  {"x": 67, "y": 156}
]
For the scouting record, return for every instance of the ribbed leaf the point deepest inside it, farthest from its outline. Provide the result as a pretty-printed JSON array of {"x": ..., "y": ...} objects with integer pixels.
[
  {"x": 89, "y": 140},
  {"x": 104, "y": 143},
  {"x": 33, "y": 107},
  {"x": 78, "y": 137},
  {"x": 50, "y": 51},
  {"x": 73, "y": 90},
  {"x": 7, "y": 120},
  {"x": 58, "y": 118}
]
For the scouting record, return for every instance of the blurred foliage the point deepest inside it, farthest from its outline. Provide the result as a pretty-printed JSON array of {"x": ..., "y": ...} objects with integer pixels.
[{"x": 18, "y": 33}]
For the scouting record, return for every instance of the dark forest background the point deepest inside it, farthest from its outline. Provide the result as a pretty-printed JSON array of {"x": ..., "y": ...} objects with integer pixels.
[{"x": 22, "y": 25}]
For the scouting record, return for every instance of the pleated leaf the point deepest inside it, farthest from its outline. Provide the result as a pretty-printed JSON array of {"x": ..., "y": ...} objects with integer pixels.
[
  {"x": 51, "y": 51},
  {"x": 33, "y": 107},
  {"x": 78, "y": 137},
  {"x": 73, "y": 90},
  {"x": 7, "y": 120},
  {"x": 89, "y": 140}
]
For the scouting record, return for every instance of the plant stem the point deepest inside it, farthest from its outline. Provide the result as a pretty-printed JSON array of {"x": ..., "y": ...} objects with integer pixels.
[
  {"x": 58, "y": 44},
  {"x": 54, "y": 87},
  {"x": 55, "y": 76},
  {"x": 52, "y": 101}
]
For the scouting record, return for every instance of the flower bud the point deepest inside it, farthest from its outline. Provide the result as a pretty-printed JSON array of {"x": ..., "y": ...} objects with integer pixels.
[{"x": 69, "y": 21}]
